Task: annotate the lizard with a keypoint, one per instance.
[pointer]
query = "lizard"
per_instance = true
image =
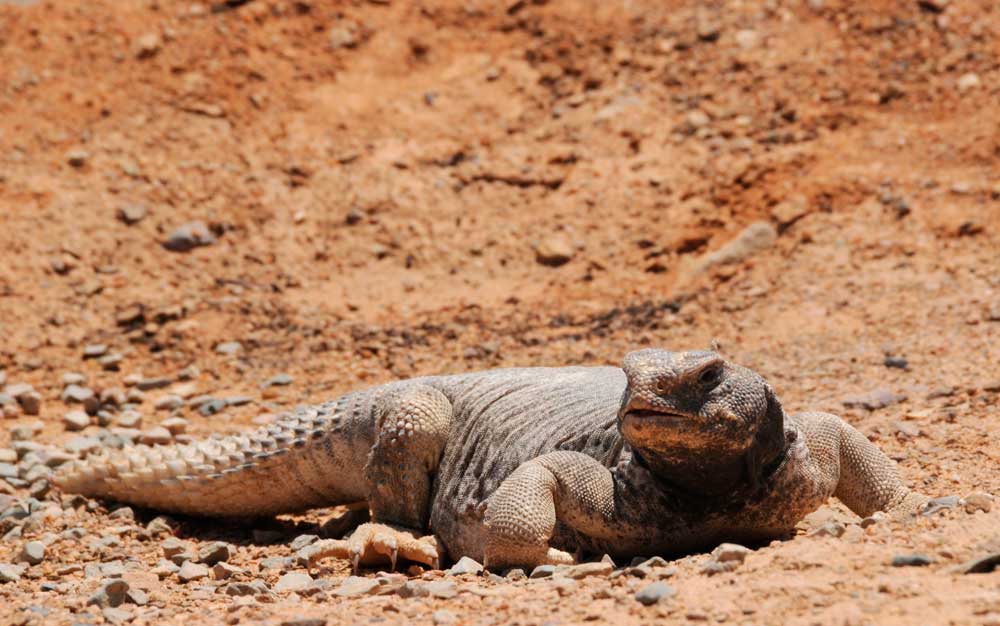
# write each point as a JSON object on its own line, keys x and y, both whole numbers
{"x": 670, "y": 453}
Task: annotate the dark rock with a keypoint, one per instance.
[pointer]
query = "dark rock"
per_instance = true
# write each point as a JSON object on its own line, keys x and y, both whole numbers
{"x": 215, "y": 552}
{"x": 897, "y": 362}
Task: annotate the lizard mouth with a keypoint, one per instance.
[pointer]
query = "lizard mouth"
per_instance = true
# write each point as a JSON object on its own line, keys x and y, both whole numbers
{"x": 646, "y": 415}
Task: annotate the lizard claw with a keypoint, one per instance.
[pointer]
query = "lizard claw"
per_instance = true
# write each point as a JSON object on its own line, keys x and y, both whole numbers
{"x": 374, "y": 542}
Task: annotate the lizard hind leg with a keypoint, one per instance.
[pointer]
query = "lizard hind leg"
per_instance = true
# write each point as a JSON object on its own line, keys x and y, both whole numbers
{"x": 412, "y": 429}
{"x": 373, "y": 543}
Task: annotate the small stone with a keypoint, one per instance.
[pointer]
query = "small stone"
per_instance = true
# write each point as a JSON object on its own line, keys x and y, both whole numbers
{"x": 213, "y": 406}
{"x": 165, "y": 569}
{"x": 160, "y": 525}
{"x": 81, "y": 395}
{"x": 907, "y": 430}
{"x": 215, "y": 552}
{"x": 132, "y": 213}
{"x": 554, "y": 251}
{"x": 137, "y": 597}
{"x": 176, "y": 425}
{"x": 94, "y": 350}
{"x": 873, "y": 400}
{"x": 229, "y": 348}
{"x": 829, "y": 529}
{"x": 191, "y": 372}
{"x": 123, "y": 513}
{"x": 296, "y": 581}
{"x": 129, "y": 419}
{"x": 911, "y": 560}
{"x": 191, "y": 571}
{"x": 111, "y": 593}
{"x": 696, "y": 119}
{"x": 968, "y": 81}
{"x": 746, "y": 39}
{"x": 32, "y": 553}
{"x": 146, "y": 46}
{"x": 278, "y": 381}
{"x": 543, "y": 571}
{"x": 189, "y": 236}
{"x": 81, "y": 445}
{"x": 343, "y": 35}
{"x": 77, "y": 157}
{"x": 978, "y": 501}
{"x": 442, "y": 589}
{"x": 10, "y": 573}
{"x": 238, "y": 400}
{"x": 875, "y": 518}
{"x": 224, "y": 571}
{"x": 935, "y": 505}
{"x": 156, "y": 435}
{"x": 515, "y": 574}
{"x": 897, "y": 362}
{"x": 116, "y": 615}
{"x": 302, "y": 541}
{"x": 731, "y": 552}
{"x": 159, "y": 382}
{"x": 253, "y": 588}
{"x": 653, "y": 593}
{"x": 169, "y": 402}
{"x": 584, "y": 570}
{"x": 304, "y": 621}
{"x": 76, "y": 420}
{"x": 465, "y": 565}
{"x": 357, "y": 586}
{"x": 31, "y": 403}
{"x": 752, "y": 240}
{"x": 791, "y": 210}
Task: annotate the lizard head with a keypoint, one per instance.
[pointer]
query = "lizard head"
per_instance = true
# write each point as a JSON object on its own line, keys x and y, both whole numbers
{"x": 699, "y": 422}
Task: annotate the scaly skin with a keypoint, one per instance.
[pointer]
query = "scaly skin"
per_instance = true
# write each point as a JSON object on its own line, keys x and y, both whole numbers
{"x": 671, "y": 453}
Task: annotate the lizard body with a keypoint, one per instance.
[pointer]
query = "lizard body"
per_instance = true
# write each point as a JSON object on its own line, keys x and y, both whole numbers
{"x": 673, "y": 452}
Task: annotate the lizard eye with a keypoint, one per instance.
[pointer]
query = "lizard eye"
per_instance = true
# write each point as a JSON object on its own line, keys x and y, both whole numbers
{"x": 660, "y": 386}
{"x": 711, "y": 377}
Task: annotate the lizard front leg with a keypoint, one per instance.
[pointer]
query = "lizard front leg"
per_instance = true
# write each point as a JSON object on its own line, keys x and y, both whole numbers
{"x": 865, "y": 479}
{"x": 412, "y": 427}
{"x": 568, "y": 487}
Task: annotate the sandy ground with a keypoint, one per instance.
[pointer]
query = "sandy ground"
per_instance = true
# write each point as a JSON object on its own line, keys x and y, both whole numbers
{"x": 393, "y": 188}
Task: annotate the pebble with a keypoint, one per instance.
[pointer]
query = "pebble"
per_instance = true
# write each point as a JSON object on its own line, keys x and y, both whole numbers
{"x": 110, "y": 594}
{"x": 584, "y": 570}
{"x": 791, "y": 210}
{"x": 191, "y": 372}
{"x": 223, "y": 571}
{"x": 934, "y": 505}
{"x": 968, "y": 81}
{"x": 165, "y": 568}
{"x": 82, "y": 444}
{"x": 554, "y": 251}
{"x": 278, "y": 381}
{"x": 543, "y": 571}
{"x": 212, "y": 406}
{"x": 157, "y": 435}
{"x": 229, "y": 348}
{"x": 189, "y": 236}
{"x": 8, "y": 470}
{"x": 873, "y": 400}
{"x": 897, "y": 362}
{"x": 215, "y": 552}
{"x": 76, "y": 420}
{"x": 357, "y": 586}
{"x": 132, "y": 213}
{"x": 168, "y": 402}
{"x": 115, "y": 615}
{"x": 295, "y": 581}
{"x": 653, "y": 593}
{"x": 129, "y": 419}
{"x": 252, "y": 588}
{"x": 829, "y": 529}
{"x": 158, "y": 382}
{"x": 727, "y": 552}
{"x": 94, "y": 350}
{"x": 77, "y": 157}
{"x": 465, "y": 565}
{"x": 146, "y": 45}
{"x": 304, "y": 621}
{"x": 10, "y": 573}
{"x": 911, "y": 560}
{"x": 176, "y": 425}
{"x": 752, "y": 240}
{"x": 31, "y": 402}
{"x": 302, "y": 541}
{"x": 123, "y": 513}
{"x": 191, "y": 571}
{"x": 442, "y": 589}
{"x": 32, "y": 553}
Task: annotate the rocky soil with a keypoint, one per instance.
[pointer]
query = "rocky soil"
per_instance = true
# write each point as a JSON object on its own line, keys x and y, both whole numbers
{"x": 213, "y": 212}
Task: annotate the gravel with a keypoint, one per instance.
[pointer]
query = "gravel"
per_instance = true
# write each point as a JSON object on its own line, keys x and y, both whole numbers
{"x": 189, "y": 236}
{"x": 76, "y": 420}
{"x": 294, "y": 581}
{"x": 465, "y": 565}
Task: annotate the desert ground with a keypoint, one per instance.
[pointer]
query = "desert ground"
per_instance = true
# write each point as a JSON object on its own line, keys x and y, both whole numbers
{"x": 213, "y": 212}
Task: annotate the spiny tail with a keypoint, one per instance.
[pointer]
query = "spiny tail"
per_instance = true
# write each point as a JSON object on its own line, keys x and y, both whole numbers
{"x": 311, "y": 457}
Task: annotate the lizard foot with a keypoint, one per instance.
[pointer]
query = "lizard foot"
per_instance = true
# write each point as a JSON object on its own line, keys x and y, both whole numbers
{"x": 374, "y": 543}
